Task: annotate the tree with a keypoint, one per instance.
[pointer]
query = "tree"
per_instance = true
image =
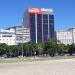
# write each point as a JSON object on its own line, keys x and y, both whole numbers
{"x": 51, "y": 47}
{"x": 38, "y": 48}
{"x": 3, "y": 49}
{"x": 62, "y": 49}
{"x": 19, "y": 49}
{"x": 13, "y": 51}
{"x": 27, "y": 49}
{"x": 71, "y": 49}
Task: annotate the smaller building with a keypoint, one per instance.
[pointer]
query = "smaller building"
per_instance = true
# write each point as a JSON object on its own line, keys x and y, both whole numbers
{"x": 22, "y": 35}
{"x": 8, "y": 36}
{"x": 66, "y": 37}
{"x": 14, "y": 35}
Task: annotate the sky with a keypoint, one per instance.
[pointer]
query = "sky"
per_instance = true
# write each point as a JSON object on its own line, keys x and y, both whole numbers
{"x": 12, "y": 12}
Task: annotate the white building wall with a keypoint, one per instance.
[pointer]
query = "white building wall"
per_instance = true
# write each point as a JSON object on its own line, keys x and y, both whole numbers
{"x": 7, "y": 36}
{"x": 15, "y": 36}
{"x": 74, "y": 34}
{"x": 22, "y": 35}
{"x": 66, "y": 37}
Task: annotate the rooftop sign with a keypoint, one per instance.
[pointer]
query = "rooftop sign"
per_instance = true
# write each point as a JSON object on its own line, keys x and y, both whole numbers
{"x": 46, "y": 10}
{"x": 35, "y": 10}
{"x": 39, "y": 10}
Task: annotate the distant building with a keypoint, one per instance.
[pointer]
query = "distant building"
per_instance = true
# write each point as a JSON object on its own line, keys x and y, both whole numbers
{"x": 66, "y": 37}
{"x": 8, "y": 36}
{"x": 41, "y": 24}
{"x": 15, "y": 35}
{"x": 22, "y": 35}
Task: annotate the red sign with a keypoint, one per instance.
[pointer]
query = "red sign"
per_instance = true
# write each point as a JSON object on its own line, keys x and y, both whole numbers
{"x": 35, "y": 10}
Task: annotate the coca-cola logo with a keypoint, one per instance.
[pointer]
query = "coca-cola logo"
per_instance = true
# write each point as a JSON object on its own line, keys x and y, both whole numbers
{"x": 35, "y": 10}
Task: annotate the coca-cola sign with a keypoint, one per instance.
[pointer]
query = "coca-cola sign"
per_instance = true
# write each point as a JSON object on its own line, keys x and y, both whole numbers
{"x": 35, "y": 10}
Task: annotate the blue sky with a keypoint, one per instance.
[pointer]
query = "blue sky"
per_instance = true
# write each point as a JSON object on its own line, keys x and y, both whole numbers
{"x": 12, "y": 11}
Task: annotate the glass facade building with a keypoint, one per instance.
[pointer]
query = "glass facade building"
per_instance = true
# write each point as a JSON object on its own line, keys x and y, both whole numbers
{"x": 41, "y": 24}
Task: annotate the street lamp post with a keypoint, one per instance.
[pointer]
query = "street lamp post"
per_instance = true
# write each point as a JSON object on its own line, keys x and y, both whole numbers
{"x": 22, "y": 42}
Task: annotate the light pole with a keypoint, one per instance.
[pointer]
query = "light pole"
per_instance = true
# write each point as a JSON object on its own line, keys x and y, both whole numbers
{"x": 22, "y": 41}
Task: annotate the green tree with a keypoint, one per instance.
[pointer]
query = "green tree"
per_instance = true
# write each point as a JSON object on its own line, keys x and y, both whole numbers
{"x": 13, "y": 51}
{"x": 71, "y": 49}
{"x": 3, "y": 49}
{"x": 62, "y": 49}
{"x": 27, "y": 49}
{"x": 50, "y": 47}
{"x": 38, "y": 48}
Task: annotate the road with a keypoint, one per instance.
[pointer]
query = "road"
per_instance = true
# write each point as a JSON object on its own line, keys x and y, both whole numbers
{"x": 48, "y": 67}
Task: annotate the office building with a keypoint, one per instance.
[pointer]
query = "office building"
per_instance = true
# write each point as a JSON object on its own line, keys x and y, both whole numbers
{"x": 41, "y": 24}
